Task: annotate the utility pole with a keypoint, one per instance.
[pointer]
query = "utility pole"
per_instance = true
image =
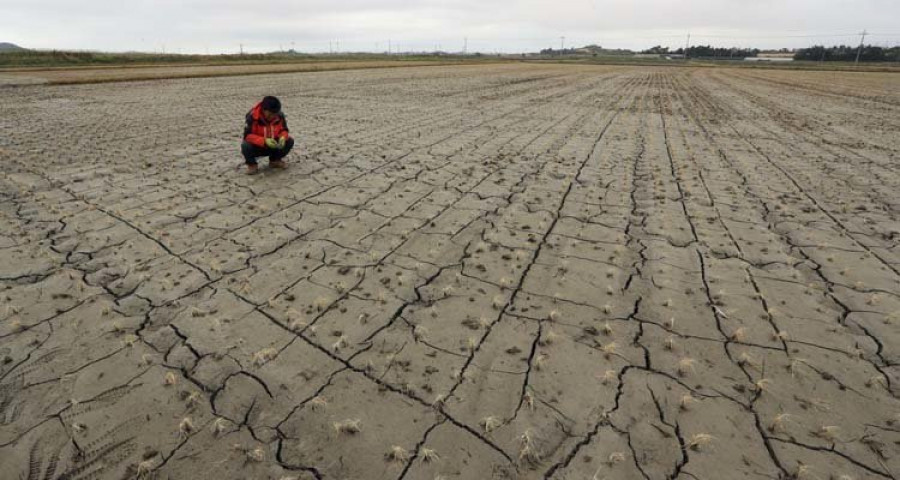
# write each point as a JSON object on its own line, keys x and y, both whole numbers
{"x": 859, "y": 50}
{"x": 562, "y": 43}
{"x": 242, "y": 49}
{"x": 687, "y": 44}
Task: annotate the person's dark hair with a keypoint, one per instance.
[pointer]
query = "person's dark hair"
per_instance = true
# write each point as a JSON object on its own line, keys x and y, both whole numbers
{"x": 271, "y": 104}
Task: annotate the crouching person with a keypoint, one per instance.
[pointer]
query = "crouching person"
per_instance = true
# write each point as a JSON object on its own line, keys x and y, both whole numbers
{"x": 266, "y": 134}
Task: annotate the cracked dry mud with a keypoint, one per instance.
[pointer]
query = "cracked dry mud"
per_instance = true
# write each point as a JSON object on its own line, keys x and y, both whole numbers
{"x": 504, "y": 271}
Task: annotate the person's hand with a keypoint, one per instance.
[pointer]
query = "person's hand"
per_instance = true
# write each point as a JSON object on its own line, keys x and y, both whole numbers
{"x": 282, "y": 142}
{"x": 272, "y": 143}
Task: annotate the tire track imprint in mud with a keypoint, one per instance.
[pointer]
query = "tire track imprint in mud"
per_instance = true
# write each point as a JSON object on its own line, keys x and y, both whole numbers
{"x": 506, "y": 271}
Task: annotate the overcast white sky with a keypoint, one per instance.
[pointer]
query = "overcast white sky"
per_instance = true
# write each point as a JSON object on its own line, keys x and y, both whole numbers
{"x": 217, "y": 26}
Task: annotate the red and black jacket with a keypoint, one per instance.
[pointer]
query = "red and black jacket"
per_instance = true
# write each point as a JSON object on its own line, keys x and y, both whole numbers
{"x": 258, "y": 129}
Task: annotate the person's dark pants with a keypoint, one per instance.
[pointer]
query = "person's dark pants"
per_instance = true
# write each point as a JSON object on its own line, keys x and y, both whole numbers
{"x": 252, "y": 152}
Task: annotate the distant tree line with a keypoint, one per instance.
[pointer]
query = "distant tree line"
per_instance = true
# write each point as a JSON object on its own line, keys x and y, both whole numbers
{"x": 847, "y": 53}
{"x": 840, "y": 53}
{"x": 558, "y": 51}
{"x": 706, "y": 51}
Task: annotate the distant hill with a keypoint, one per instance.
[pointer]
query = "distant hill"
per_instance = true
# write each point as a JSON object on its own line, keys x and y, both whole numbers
{"x": 10, "y": 47}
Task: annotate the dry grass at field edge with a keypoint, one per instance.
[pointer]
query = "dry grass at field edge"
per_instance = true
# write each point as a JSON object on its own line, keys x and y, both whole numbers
{"x": 129, "y": 73}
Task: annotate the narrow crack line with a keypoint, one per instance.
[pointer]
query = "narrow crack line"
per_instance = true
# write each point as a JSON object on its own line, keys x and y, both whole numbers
{"x": 418, "y": 449}
{"x": 768, "y": 212}
{"x": 279, "y": 457}
{"x": 151, "y": 238}
{"x": 724, "y": 225}
{"x": 676, "y": 431}
{"x": 564, "y": 463}
{"x": 812, "y": 199}
{"x": 834, "y": 451}
{"x": 703, "y": 269}
{"x": 516, "y": 289}
{"x": 57, "y": 313}
{"x": 365, "y": 374}
{"x": 308, "y": 399}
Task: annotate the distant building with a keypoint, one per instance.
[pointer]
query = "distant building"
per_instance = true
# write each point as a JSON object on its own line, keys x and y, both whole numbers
{"x": 776, "y": 55}
{"x": 772, "y": 57}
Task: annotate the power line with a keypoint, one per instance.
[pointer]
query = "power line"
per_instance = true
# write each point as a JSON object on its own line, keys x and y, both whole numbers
{"x": 693, "y": 34}
{"x": 623, "y": 41}
{"x": 780, "y": 36}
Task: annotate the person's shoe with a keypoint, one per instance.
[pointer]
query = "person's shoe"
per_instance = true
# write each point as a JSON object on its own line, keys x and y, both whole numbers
{"x": 277, "y": 164}
{"x": 252, "y": 169}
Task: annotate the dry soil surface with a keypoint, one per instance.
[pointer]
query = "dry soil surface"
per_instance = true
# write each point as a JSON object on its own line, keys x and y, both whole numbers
{"x": 488, "y": 272}
{"x": 102, "y": 74}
